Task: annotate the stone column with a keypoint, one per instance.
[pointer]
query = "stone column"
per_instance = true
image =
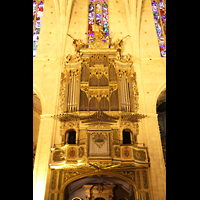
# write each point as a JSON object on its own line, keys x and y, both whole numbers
{"x": 87, "y": 191}
{"x": 41, "y": 166}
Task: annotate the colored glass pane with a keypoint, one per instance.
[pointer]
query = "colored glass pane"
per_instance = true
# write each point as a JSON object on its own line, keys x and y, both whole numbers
{"x": 38, "y": 22}
{"x": 90, "y": 20}
{"x": 105, "y": 18}
{"x": 163, "y": 14}
{"x": 34, "y": 10}
{"x": 158, "y": 27}
{"x": 98, "y": 14}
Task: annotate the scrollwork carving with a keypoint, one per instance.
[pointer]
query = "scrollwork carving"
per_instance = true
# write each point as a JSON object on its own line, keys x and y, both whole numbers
{"x": 99, "y": 137}
{"x": 129, "y": 174}
{"x": 68, "y": 175}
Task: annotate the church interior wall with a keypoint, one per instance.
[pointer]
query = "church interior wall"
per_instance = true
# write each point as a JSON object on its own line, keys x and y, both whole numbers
{"x": 148, "y": 39}
{"x": 149, "y": 66}
{"x": 48, "y": 42}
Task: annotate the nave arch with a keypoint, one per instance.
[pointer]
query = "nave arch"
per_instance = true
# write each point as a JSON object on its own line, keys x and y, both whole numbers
{"x": 37, "y": 91}
{"x": 161, "y": 117}
{"x": 102, "y": 175}
{"x": 38, "y": 110}
{"x": 161, "y": 88}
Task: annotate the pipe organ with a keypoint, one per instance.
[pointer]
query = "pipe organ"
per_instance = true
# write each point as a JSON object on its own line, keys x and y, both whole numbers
{"x": 125, "y": 94}
{"x": 98, "y": 83}
{"x": 98, "y": 119}
{"x": 72, "y": 94}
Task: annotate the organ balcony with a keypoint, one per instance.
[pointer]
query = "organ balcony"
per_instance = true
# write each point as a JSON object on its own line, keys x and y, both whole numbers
{"x": 100, "y": 146}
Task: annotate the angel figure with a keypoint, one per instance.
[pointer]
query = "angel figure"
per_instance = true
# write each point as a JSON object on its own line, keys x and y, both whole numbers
{"x": 78, "y": 44}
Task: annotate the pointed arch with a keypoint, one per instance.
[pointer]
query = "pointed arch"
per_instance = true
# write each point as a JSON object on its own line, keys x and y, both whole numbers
{"x": 104, "y": 104}
{"x": 114, "y": 101}
{"x": 112, "y": 73}
{"x": 106, "y": 174}
{"x": 93, "y": 81}
{"x": 84, "y": 73}
{"x": 97, "y": 18}
{"x": 160, "y": 88}
{"x": 103, "y": 81}
{"x": 37, "y": 91}
{"x": 93, "y": 105}
{"x": 83, "y": 101}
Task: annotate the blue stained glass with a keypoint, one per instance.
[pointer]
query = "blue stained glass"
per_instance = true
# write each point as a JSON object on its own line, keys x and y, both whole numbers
{"x": 105, "y": 18}
{"x": 38, "y": 22}
{"x": 34, "y": 10}
{"x": 163, "y": 14}
{"x": 98, "y": 14}
{"x": 90, "y": 20}
{"x": 91, "y": 14}
{"x": 101, "y": 17}
{"x": 158, "y": 27}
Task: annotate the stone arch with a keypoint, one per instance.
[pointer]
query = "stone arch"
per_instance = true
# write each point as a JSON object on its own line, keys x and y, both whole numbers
{"x": 106, "y": 174}
{"x": 161, "y": 118}
{"x": 37, "y": 111}
{"x": 160, "y": 88}
{"x": 37, "y": 91}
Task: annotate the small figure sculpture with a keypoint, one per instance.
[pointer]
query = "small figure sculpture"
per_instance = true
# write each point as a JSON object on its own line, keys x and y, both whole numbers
{"x": 68, "y": 58}
{"x": 107, "y": 39}
{"x": 78, "y": 44}
{"x": 90, "y": 39}
{"x": 74, "y": 58}
{"x": 98, "y": 31}
{"x": 118, "y": 45}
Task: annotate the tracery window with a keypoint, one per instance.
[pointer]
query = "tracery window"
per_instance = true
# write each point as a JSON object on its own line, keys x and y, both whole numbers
{"x": 38, "y": 7}
{"x": 98, "y": 18}
{"x": 159, "y": 14}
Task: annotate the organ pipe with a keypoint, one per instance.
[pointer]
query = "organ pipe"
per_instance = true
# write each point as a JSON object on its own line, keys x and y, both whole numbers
{"x": 72, "y": 97}
{"x": 125, "y": 94}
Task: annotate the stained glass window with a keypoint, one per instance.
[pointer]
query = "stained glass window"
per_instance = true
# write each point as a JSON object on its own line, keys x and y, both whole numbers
{"x": 37, "y": 20}
{"x": 91, "y": 20}
{"x": 159, "y": 15}
{"x": 98, "y": 16}
{"x": 105, "y": 18}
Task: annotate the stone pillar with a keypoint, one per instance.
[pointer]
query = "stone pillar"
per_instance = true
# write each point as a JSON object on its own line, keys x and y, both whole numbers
{"x": 87, "y": 191}
{"x": 157, "y": 170}
{"x": 41, "y": 166}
